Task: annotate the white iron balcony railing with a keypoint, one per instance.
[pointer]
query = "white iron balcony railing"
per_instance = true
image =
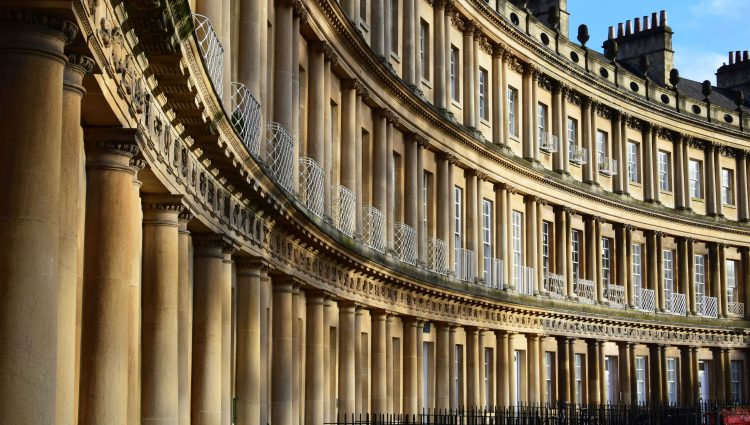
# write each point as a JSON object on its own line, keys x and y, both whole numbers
{"x": 554, "y": 285}
{"x": 493, "y": 276}
{"x": 577, "y": 155}
{"x": 373, "y": 228}
{"x": 465, "y": 265}
{"x": 211, "y": 51}
{"x": 585, "y": 290}
{"x": 735, "y": 309}
{"x": 525, "y": 279}
{"x": 405, "y": 241}
{"x": 548, "y": 142}
{"x": 615, "y": 294}
{"x": 437, "y": 255}
{"x": 311, "y": 180}
{"x": 343, "y": 203}
{"x": 246, "y": 117}
{"x": 676, "y": 303}
{"x": 645, "y": 299}
{"x": 607, "y": 166}
{"x": 707, "y": 306}
{"x": 280, "y": 155}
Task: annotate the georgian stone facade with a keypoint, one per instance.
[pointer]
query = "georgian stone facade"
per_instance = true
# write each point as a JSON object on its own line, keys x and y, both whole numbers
{"x": 283, "y": 212}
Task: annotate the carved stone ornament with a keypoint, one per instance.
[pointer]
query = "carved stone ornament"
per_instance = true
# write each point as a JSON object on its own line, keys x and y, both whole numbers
{"x": 456, "y": 20}
{"x": 515, "y": 65}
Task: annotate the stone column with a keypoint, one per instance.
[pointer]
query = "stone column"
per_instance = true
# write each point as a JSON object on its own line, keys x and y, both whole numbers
{"x": 185, "y": 316}
{"x": 652, "y": 273}
{"x": 444, "y": 207}
{"x": 72, "y": 217}
{"x": 134, "y": 301}
{"x": 347, "y": 361}
{"x": 722, "y": 295}
{"x": 717, "y": 178}
{"x": 379, "y": 367}
{"x": 590, "y": 247}
{"x": 409, "y": 395}
{"x": 621, "y": 263}
{"x": 473, "y": 391}
{"x": 655, "y": 372}
{"x": 108, "y": 276}
{"x": 281, "y": 362}
{"x": 624, "y": 116}
{"x": 498, "y": 94}
{"x": 678, "y": 171}
{"x": 468, "y": 75}
{"x": 624, "y": 349}
{"x": 409, "y": 70}
{"x": 248, "y": 385}
{"x": 389, "y": 362}
{"x": 686, "y": 172}
{"x": 532, "y": 365}
{"x": 226, "y": 334}
{"x": 618, "y": 140}
{"x": 592, "y": 362}
{"x": 661, "y": 301}
{"x": 593, "y": 156}
{"x": 411, "y": 183}
{"x": 37, "y": 323}
{"x": 442, "y": 367}
{"x": 558, "y": 128}
{"x": 540, "y": 248}
{"x": 726, "y": 378}
{"x": 588, "y": 144}
{"x": 601, "y": 371}
{"x": 381, "y": 177}
{"x": 563, "y": 369}
{"x": 159, "y": 343}
{"x": 501, "y": 234}
{"x": 686, "y": 377}
{"x": 421, "y": 228}
{"x": 648, "y": 161}
{"x": 438, "y": 53}
{"x": 358, "y": 366}
{"x": 682, "y": 262}
{"x": 656, "y": 188}
{"x": 248, "y": 67}
{"x": 743, "y": 208}
{"x": 629, "y": 288}
{"x": 316, "y": 100}
{"x": 530, "y": 127}
{"x": 390, "y": 211}
{"x": 709, "y": 177}
{"x": 691, "y": 301}
{"x": 531, "y": 238}
{"x": 420, "y": 368}
{"x": 283, "y": 63}
{"x": 314, "y": 357}
{"x": 568, "y": 231}
{"x": 207, "y": 330}
{"x": 454, "y": 401}
{"x": 501, "y": 370}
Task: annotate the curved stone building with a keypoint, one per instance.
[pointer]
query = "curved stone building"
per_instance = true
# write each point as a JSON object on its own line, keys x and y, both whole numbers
{"x": 282, "y": 212}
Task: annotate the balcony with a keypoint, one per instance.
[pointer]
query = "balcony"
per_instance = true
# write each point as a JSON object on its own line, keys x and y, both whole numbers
{"x": 311, "y": 179}
{"x": 343, "y": 203}
{"x": 246, "y": 118}
{"x": 405, "y": 241}
{"x": 548, "y": 142}
{"x": 525, "y": 278}
{"x": 675, "y": 303}
{"x": 211, "y": 51}
{"x": 607, "y": 167}
{"x": 465, "y": 265}
{"x": 615, "y": 294}
{"x": 577, "y": 155}
{"x": 437, "y": 251}
{"x": 736, "y": 309}
{"x": 707, "y": 306}
{"x": 373, "y": 228}
{"x": 554, "y": 285}
{"x": 645, "y": 299}
{"x": 585, "y": 290}
{"x": 280, "y": 155}
{"x": 494, "y": 273}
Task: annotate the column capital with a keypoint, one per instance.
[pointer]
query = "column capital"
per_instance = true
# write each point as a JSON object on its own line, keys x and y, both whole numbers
{"x": 318, "y": 46}
{"x": 213, "y": 244}
{"x": 152, "y": 202}
{"x": 630, "y": 227}
{"x": 421, "y": 140}
{"x": 252, "y": 265}
{"x": 598, "y": 219}
{"x": 102, "y": 143}
{"x": 300, "y": 11}
{"x": 569, "y": 210}
{"x": 76, "y": 68}
{"x": 500, "y": 50}
{"x": 66, "y": 30}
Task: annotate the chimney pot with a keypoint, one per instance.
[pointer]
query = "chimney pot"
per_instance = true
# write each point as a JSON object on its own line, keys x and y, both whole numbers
{"x": 645, "y": 23}
{"x": 745, "y": 56}
{"x": 663, "y": 18}
{"x": 737, "y": 57}
{"x": 620, "y": 30}
{"x": 637, "y": 25}
{"x": 731, "y": 58}
{"x": 628, "y": 27}
{"x": 611, "y": 33}
{"x": 654, "y": 20}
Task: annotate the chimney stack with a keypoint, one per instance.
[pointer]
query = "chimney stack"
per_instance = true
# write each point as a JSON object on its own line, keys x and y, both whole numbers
{"x": 651, "y": 38}
{"x": 736, "y": 74}
{"x": 540, "y": 9}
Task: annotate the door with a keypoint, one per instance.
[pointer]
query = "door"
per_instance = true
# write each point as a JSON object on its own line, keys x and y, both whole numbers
{"x": 703, "y": 380}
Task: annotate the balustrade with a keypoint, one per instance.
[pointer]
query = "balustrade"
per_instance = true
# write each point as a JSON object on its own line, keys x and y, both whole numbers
{"x": 525, "y": 278}
{"x": 211, "y": 51}
{"x": 554, "y": 285}
{"x": 246, "y": 118}
{"x": 548, "y": 142}
{"x": 577, "y": 155}
{"x": 494, "y": 273}
{"x": 311, "y": 180}
{"x": 585, "y": 290}
{"x": 343, "y": 203}
{"x": 405, "y": 240}
{"x": 645, "y": 299}
{"x": 280, "y": 155}
{"x": 465, "y": 265}
{"x": 607, "y": 166}
{"x": 437, "y": 258}
{"x": 707, "y": 306}
{"x": 735, "y": 309}
{"x": 676, "y": 304}
{"x": 373, "y": 228}
{"x": 615, "y": 294}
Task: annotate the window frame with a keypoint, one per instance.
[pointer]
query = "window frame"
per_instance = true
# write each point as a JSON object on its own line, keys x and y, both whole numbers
{"x": 695, "y": 176}
{"x": 633, "y": 162}
{"x": 487, "y": 230}
{"x": 665, "y": 182}
{"x": 575, "y": 253}
{"x": 727, "y": 186}
{"x": 455, "y": 73}
{"x": 483, "y": 94}
{"x": 512, "y": 107}
{"x": 424, "y": 49}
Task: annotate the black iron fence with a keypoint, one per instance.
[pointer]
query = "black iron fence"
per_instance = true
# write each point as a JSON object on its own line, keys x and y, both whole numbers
{"x": 566, "y": 414}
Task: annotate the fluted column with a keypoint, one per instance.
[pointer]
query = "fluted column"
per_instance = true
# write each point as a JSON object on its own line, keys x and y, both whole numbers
{"x": 438, "y": 54}
{"x": 36, "y": 357}
{"x": 468, "y": 74}
{"x": 72, "y": 217}
{"x": 248, "y": 382}
{"x": 624, "y": 349}
{"x": 379, "y": 367}
{"x": 563, "y": 369}
{"x": 501, "y": 370}
{"x": 442, "y": 367}
{"x": 207, "y": 330}
{"x": 347, "y": 382}
{"x": 159, "y": 343}
{"x": 410, "y": 396}
{"x": 624, "y": 152}
{"x": 283, "y": 63}
{"x": 108, "y": 276}
{"x": 185, "y": 316}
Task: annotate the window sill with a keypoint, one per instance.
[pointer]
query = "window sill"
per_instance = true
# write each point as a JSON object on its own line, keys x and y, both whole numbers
{"x": 636, "y": 184}
{"x": 426, "y": 83}
{"x": 455, "y": 104}
{"x": 514, "y": 138}
{"x": 666, "y": 192}
{"x": 485, "y": 123}
{"x": 363, "y": 25}
{"x": 730, "y": 206}
{"x": 395, "y": 57}
{"x": 699, "y": 200}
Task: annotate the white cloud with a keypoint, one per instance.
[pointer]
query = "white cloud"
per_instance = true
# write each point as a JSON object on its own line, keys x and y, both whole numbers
{"x": 734, "y": 9}
{"x": 698, "y": 65}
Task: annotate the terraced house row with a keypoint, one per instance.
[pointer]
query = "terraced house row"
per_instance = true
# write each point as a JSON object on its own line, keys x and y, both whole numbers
{"x": 287, "y": 212}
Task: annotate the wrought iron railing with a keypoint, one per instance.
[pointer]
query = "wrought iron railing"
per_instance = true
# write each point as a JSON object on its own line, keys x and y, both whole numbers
{"x": 280, "y": 155}
{"x": 343, "y": 204}
{"x": 548, "y": 142}
{"x": 675, "y": 303}
{"x": 607, "y": 166}
{"x": 246, "y": 118}
{"x": 211, "y": 51}
{"x": 311, "y": 181}
{"x": 645, "y": 299}
{"x": 373, "y": 228}
{"x": 615, "y": 294}
{"x": 437, "y": 255}
{"x": 735, "y": 309}
{"x": 585, "y": 290}
{"x": 465, "y": 265}
{"x": 576, "y": 154}
{"x": 707, "y": 306}
{"x": 554, "y": 285}
{"x": 405, "y": 241}
{"x": 525, "y": 277}
{"x": 493, "y": 276}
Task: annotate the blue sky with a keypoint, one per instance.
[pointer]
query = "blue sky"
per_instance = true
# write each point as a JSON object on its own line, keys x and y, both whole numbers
{"x": 704, "y": 30}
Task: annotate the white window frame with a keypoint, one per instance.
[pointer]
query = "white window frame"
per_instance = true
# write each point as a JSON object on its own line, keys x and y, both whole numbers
{"x": 483, "y": 94}
{"x": 736, "y": 389}
{"x": 575, "y": 253}
{"x": 541, "y": 120}
{"x": 664, "y": 181}
{"x": 672, "y": 380}
{"x": 700, "y": 275}
{"x": 517, "y": 239}
{"x": 602, "y": 145}
{"x": 637, "y": 271}
{"x": 512, "y": 96}
{"x": 668, "y": 275}
{"x": 695, "y": 171}
{"x": 549, "y": 372}
{"x": 606, "y": 261}
{"x": 731, "y": 278}
{"x": 487, "y": 372}
{"x": 424, "y": 49}
{"x": 633, "y": 169}
{"x": 727, "y": 186}
{"x": 546, "y": 263}
{"x": 487, "y": 230}
{"x": 640, "y": 379}
{"x": 572, "y": 135}
{"x": 579, "y": 377}
{"x": 455, "y": 73}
